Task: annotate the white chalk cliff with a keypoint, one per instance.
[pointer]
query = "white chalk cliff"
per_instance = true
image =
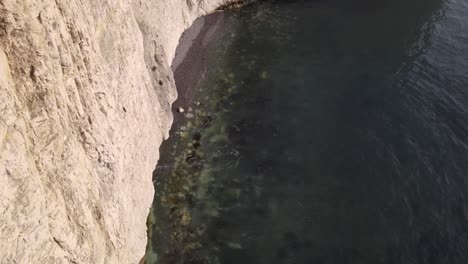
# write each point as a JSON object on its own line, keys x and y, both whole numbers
{"x": 85, "y": 101}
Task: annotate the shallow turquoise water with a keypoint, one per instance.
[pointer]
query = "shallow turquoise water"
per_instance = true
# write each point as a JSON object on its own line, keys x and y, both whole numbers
{"x": 323, "y": 132}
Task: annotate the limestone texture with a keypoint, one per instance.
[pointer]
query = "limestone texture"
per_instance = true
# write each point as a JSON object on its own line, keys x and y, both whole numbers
{"x": 85, "y": 101}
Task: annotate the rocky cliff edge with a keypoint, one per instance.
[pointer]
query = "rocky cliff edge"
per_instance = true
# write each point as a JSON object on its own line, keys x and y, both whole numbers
{"x": 85, "y": 101}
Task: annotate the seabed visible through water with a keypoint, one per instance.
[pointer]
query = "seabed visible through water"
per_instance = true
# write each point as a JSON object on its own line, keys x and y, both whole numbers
{"x": 319, "y": 132}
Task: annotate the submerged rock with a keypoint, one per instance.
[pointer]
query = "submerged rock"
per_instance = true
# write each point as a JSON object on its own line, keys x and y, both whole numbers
{"x": 234, "y": 245}
{"x": 186, "y": 218}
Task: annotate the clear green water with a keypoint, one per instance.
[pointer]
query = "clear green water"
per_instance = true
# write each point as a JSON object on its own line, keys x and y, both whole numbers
{"x": 323, "y": 132}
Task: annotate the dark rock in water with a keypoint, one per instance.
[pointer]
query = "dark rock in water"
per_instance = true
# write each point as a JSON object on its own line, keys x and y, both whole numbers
{"x": 196, "y": 136}
{"x": 207, "y": 120}
{"x": 191, "y": 158}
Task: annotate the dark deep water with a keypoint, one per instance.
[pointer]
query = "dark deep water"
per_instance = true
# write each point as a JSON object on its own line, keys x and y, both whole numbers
{"x": 323, "y": 132}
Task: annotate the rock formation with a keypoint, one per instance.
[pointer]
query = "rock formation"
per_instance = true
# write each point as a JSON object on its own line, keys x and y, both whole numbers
{"x": 85, "y": 101}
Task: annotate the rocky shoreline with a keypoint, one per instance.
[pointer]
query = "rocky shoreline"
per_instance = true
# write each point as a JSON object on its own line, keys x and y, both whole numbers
{"x": 189, "y": 62}
{"x": 189, "y": 67}
{"x": 85, "y": 101}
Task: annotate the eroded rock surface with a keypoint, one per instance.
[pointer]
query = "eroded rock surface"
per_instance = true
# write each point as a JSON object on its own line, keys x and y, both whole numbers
{"x": 85, "y": 101}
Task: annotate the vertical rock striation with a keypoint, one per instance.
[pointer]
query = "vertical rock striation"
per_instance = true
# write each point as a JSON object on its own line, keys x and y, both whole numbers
{"x": 85, "y": 101}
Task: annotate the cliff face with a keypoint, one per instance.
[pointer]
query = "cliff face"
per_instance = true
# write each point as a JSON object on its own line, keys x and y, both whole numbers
{"x": 85, "y": 101}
